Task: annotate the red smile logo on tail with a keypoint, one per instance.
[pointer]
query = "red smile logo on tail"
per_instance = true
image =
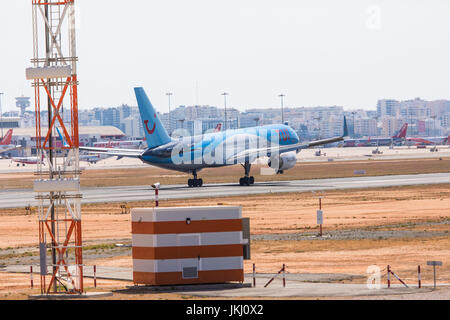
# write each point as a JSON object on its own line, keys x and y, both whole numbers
{"x": 153, "y": 129}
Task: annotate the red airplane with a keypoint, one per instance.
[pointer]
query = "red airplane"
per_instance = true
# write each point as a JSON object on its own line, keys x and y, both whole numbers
{"x": 5, "y": 143}
{"x": 218, "y": 128}
{"x": 396, "y": 140}
{"x": 421, "y": 142}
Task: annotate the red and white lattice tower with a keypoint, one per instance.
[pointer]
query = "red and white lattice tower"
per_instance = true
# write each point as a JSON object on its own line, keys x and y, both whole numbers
{"x": 54, "y": 79}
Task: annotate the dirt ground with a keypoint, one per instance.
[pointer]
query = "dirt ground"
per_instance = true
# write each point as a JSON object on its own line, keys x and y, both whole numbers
{"x": 423, "y": 212}
{"x": 269, "y": 214}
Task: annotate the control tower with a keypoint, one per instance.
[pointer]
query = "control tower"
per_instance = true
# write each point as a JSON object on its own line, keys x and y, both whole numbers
{"x": 23, "y": 103}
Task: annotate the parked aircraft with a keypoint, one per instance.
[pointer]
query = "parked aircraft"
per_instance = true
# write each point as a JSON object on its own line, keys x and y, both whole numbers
{"x": 218, "y": 128}
{"x": 397, "y": 139}
{"x": 26, "y": 160}
{"x": 5, "y": 143}
{"x": 133, "y": 144}
{"x": 279, "y": 143}
{"x": 423, "y": 142}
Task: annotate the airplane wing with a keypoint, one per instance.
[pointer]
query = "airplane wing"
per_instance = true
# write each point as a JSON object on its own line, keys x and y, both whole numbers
{"x": 252, "y": 154}
{"x": 11, "y": 148}
{"x": 123, "y": 153}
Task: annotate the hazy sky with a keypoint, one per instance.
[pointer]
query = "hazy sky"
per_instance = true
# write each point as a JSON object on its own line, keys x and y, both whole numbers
{"x": 317, "y": 52}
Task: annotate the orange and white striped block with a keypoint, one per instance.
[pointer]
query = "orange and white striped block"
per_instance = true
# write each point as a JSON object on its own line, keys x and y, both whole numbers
{"x": 189, "y": 245}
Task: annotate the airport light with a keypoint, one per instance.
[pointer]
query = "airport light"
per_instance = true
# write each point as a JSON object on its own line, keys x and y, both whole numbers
{"x": 376, "y": 125}
{"x": 320, "y": 213}
{"x": 169, "y": 95}
{"x": 434, "y": 125}
{"x": 225, "y": 95}
{"x": 354, "y": 131}
{"x": 156, "y": 187}
{"x": 282, "y": 96}
{"x": 434, "y": 264}
{"x": 320, "y": 217}
{"x": 318, "y": 126}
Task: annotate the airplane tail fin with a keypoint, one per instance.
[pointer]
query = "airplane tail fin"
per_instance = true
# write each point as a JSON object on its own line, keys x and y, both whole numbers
{"x": 7, "y": 138}
{"x": 65, "y": 144}
{"x": 155, "y": 132}
{"x": 218, "y": 128}
{"x": 345, "y": 134}
{"x": 401, "y": 134}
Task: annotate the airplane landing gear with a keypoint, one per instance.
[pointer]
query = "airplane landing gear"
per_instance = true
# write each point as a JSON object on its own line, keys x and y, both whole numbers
{"x": 195, "y": 183}
{"x": 247, "y": 180}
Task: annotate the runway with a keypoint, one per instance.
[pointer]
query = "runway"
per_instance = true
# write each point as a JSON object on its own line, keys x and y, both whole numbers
{"x": 22, "y": 198}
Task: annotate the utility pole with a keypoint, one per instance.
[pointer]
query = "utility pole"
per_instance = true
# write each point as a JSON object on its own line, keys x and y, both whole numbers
{"x": 281, "y": 96}
{"x": 434, "y": 125}
{"x": 354, "y": 131}
{"x": 169, "y": 94}
{"x": 226, "y": 116}
{"x": 318, "y": 127}
{"x": 376, "y": 125}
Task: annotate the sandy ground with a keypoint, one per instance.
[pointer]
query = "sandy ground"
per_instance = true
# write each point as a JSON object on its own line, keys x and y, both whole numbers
{"x": 269, "y": 214}
{"x": 425, "y": 210}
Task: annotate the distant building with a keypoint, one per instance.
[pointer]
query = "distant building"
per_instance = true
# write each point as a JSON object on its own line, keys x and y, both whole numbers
{"x": 250, "y": 119}
{"x": 366, "y": 127}
{"x": 201, "y": 126}
{"x": 133, "y": 127}
{"x": 415, "y": 109}
{"x": 88, "y": 135}
{"x": 9, "y": 123}
{"x": 23, "y": 103}
{"x": 390, "y": 126}
{"x": 388, "y": 108}
{"x": 446, "y": 120}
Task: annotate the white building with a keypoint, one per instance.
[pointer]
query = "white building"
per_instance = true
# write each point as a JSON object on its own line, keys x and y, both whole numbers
{"x": 390, "y": 126}
{"x": 132, "y": 127}
{"x": 366, "y": 127}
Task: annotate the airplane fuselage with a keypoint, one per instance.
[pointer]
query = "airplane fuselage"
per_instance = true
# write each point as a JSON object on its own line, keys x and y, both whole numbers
{"x": 372, "y": 142}
{"x": 213, "y": 150}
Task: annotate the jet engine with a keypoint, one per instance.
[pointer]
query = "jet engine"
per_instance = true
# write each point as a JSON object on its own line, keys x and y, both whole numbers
{"x": 283, "y": 162}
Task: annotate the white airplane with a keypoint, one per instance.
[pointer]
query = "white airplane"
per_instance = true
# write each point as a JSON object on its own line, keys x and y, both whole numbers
{"x": 5, "y": 143}
{"x": 26, "y": 160}
{"x": 135, "y": 144}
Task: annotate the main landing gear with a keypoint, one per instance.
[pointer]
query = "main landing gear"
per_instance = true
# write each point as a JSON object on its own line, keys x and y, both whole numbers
{"x": 195, "y": 183}
{"x": 247, "y": 180}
